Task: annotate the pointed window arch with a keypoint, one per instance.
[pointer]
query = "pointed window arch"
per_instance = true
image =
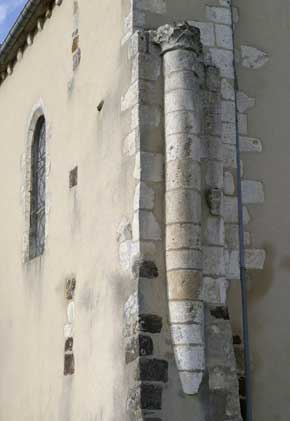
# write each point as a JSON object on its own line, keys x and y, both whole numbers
{"x": 38, "y": 190}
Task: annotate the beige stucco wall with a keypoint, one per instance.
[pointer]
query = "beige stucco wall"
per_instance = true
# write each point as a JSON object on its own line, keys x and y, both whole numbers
{"x": 265, "y": 25}
{"x": 82, "y": 225}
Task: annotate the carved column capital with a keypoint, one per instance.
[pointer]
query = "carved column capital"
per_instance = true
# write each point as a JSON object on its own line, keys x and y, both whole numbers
{"x": 178, "y": 36}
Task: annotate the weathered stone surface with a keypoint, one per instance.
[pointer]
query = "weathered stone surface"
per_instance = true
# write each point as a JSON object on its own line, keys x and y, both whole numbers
{"x": 144, "y": 197}
{"x": 130, "y": 143}
{"x": 183, "y": 236}
{"x": 214, "y": 174}
{"x": 229, "y": 184}
{"x": 187, "y": 334}
{"x": 139, "y": 345}
{"x": 182, "y": 146}
{"x": 207, "y": 35}
{"x": 154, "y": 6}
{"x": 228, "y": 111}
{"x": 229, "y": 133}
{"x": 252, "y": 191}
{"x": 124, "y": 232}
{"x": 215, "y": 233}
{"x": 183, "y": 79}
{"x": 219, "y": 15}
{"x": 184, "y": 285}
{"x": 244, "y": 102}
{"x": 183, "y": 259}
{"x": 179, "y": 37}
{"x": 181, "y": 100}
{"x": 150, "y": 323}
{"x": 145, "y": 226}
{"x": 151, "y": 396}
{"x": 145, "y": 269}
{"x": 182, "y": 122}
{"x": 69, "y": 365}
{"x": 184, "y": 173}
{"x": 214, "y": 199}
{"x": 224, "y": 36}
{"x": 255, "y": 259}
{"x": 253, "y": 58}
{"x": 249, "y": 144}
{"x": 232, "y": 259}
{"x": 222, "y": 378}
{"x": 227, "y": 90}
{"x": 230, "y": 209}
{"x": 212, "y": 78}
{"x": 149, "y": 167}
{"x": 186, "y": 312}
{"x": 230, "y": 156}
{"x": 183, "y": 206}
{"x": 243, "y": 124}
{"x": 214, "y": 290}
{"x": 189, "y": 357}
{"x": 128, "y": 250}
{"x": 213, "y": 261}
{"x": 153, "y": 370}
{"x": 190, "y": 382}
{"x": 223, "y": 59}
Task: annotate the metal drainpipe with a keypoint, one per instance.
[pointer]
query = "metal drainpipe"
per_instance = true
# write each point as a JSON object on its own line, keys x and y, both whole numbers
{"x": 247, "y": 355}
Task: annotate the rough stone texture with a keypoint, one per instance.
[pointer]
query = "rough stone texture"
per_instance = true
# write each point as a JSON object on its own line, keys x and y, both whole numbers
{"x": 255, "y": 259}
{"x": 249, "y": 144}
{"x": 213, "y": 261}
{"x": 215, "y": 290}
{"x": 183, "y": 259}
{"x": 215, "y": 231}
{"x": 183, "y": 236}
{"x": 189, "y": 357}
{"x": 253, "y": 58}
{"x": 207, "y": 35}
{"x": 190, "y": 382}
{"x": 150, "y": 323}
{"x": 183, "y": 206}
{"x": 144, "y": 197}
{"x": 224, "y": 36}
{"x": 152, "y": 370}
{"x": 223, "y": 59}
{"x": 186, "y": 312}
{"x": 219, "y": 15}
{"x": 252, "y": 191}
{"x": 229, "y": 184}
{"x": 244, "y": 102}
{"x": 184, "y": 285}
{"x": 227, "y": 90}
{"x": 146, "y": 227}
{"x": 187, "y": 334}
{"x": 149, "y": 167}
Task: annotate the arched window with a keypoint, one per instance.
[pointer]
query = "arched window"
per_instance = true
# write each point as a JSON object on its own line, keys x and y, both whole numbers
{"x": 37, "y": 190}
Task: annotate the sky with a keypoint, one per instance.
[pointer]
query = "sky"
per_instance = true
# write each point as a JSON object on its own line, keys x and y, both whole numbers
{"x": 9, "y": 10}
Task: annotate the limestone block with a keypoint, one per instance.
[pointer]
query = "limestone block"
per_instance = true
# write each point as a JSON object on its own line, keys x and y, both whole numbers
{"x": 227, "y": 90}
{"x": 253, "y": 58}
{"x": 182, "y": 122}
{"x": 183, "y": 206}
{"x": 131, "y": 97}
{"x": 244, "y": 102}
{"x": 224, "y": 36}
{"x": 230, "y": 156}
{"x": 183, "y": 174}
{"x": 214, "y": 174}
{"x": 215, "y": 290}
{"x": 181, "y": 100}
{"x": 179, "y": 60}
{"x": 228, "y": 112}
{"x": 243, "y": 124}
{"x": 232, "y": 236}
{"x": 186, "y": 312}
{"x": 68, "y": 330}
{"x": 183, "y": 236}
{"x": 183, "y": 146}
{"x": 144, "y": 197}
{"x": 225, "y": 3}
{"x": 130, "y": 143}
{"x": 187, "y": 334}
{"x": 154, "y": 6}
{"x": 149, "y": 167}
{"x": 229, "y": 133}
{"x": 255, "y": 259}
{"x": 184, "y": 285}
{"x": 215, "y": 233}
{"x": 219, "y": 14}
{"x": 207, "y": 35}
{"x": 229, "y": 184}
{"x": 230, "y": 209}
{"x": 149, "y": 67}
{"x": 252, "y": 191}
{"x": 128, "y": 250}
{"x": 145, "y": 226}
{"x": 213, "y": 261}
{"x": 246, "y": 215}
{"x": 183, "y": 259}
{"x": 185, "y": 79}
{"x": 223, "y": 59}
{"x": 189, "y": 357}
{"x": 124, "y": 231}
{"x": 215, "y": 148}
{"x": 190, "y": 382}
{"x": 71, "y": 312}
{"x": 232, "y": 259}
{"x": 221, "y": 378}
{"x": 250, "y": 144}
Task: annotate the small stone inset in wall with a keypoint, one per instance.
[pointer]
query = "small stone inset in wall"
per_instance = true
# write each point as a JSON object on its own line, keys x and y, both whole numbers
{"x": 73, "y": 177}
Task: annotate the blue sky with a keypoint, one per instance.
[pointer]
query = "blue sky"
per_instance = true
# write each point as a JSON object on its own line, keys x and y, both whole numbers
{"x": 9, "y": 10}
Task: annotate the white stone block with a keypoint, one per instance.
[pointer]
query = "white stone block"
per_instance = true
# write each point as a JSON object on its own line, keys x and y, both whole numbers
{"x": 189, "y": 357}
{"x": 153, "y": 6}
{"x": 182, "y": 146}
{"x": 252, "y": 192}
{"x": 227, "y": 90}
{"x": 149, "y": 167}
{"x": 224, "y": 36}
{"x": 246, "y": 215}
{"x": 229, "y": 133}
{"x": 182, "y": 122}
{"x": 68, "y": 330}
{"x": 71, "y": 312}
{"x": 183, "y": 259}
{"x": 215, "y": 232}
{"x": 187, "y": 334}
{"x": 190, "y": 382}
{"x": 183, "y": 174}
{"x": 214, "y": 174}
{"x": 230, "y": 156}
{"x": 183, "y": 206}
{"x": 243, "y": 124}
{"x": 230, "y": 209}
{"x": 144, "y": 197}
{"x": 124, "y": 231}
{"x": 183, "y": 236}
{"x": 250, "y": 144}
{"x": 219, "y": 14}
{"x": 215, "y": 290}
{"x": 130, "y": 143}
{"x": 213, "y": 261}
{"x": 244, "y": 102}
{"x": 186, "y": 312}
{"x": 131, "y": 97}
{"x": 255, "y": 259}
{"x": 253, "y": 58}
{"x": 228, "y": 112}
{"x": 223, "y": 59}
{"x": 207, "y": 35}
{"x": 145, "y": 226}
{"x": 232, "y": 259}
{"x": 229, "y": 184}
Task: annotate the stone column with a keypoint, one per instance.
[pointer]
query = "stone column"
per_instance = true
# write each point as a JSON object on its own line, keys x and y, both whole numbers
{"x": 183, "y": 76}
